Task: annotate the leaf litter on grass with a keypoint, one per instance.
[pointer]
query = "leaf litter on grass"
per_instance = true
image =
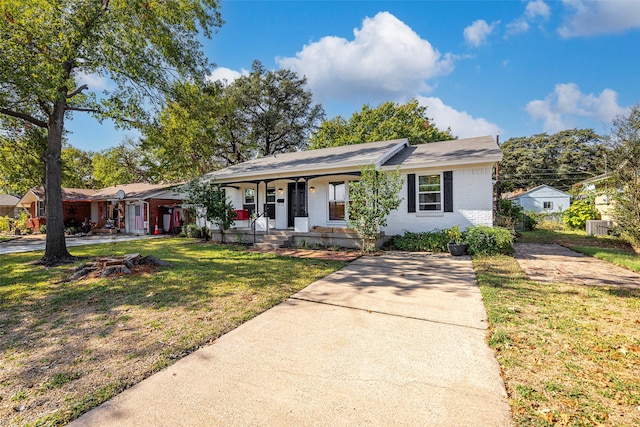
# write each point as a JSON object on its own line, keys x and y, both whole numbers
{"x": 67, "y": 347}
{"x": 569, "y": 353}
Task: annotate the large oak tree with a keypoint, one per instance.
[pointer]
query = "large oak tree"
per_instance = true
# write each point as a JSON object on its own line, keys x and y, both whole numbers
{"x": 49, "y": 45}
{"x": 208, "y": 125}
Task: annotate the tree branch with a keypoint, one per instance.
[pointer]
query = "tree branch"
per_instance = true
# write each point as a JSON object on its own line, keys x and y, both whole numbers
{"x": 77, "y": 91}
{"x": 84, "y": 110}
{"x": 98, "y": 111}
{"x": 24, "y": 117}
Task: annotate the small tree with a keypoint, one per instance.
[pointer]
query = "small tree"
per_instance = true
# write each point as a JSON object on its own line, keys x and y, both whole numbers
{"x": 580, "y": 211}
{"x": 370, "y": 201}
{"x": 213, "y": 203}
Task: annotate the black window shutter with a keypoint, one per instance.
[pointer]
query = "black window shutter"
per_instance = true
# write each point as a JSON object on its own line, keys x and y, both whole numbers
{"x": 411, "y": 192}
{"x": 448, "y": 191}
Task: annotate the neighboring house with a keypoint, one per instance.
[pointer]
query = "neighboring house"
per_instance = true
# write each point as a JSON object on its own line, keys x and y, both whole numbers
{"x": 445, "y": 184}
{"x": 128, "y": 208}
{"x": 542, "y": 199}
{"x": 8, "y": 206}
{"x": 601, "y": 187}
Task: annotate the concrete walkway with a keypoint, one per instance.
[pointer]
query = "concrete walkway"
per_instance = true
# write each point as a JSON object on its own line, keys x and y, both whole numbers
{"x": 396, "y": 340}
{"x": 37, "y": 242}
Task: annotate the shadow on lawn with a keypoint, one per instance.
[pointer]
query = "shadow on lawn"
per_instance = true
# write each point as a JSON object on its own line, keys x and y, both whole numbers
{"x": 110, "y": 333}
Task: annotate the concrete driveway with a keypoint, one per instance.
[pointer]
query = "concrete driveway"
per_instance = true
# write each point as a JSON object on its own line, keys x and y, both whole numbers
{"x": 395, "y": 340}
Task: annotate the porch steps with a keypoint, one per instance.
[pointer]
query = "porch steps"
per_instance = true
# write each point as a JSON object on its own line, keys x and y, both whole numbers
{"x": 273, "y": 241}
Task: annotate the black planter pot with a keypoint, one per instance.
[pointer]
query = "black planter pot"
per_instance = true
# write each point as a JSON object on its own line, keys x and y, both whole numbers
{"x": 457, "y": 249}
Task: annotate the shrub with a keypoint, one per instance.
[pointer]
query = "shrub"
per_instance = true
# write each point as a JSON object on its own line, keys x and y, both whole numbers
{"x": 508, "y": 214}
{"x": 4, "y": 224}
{"x": 484, "y": 240}
{"x": 193, "y": 230}
{"x": 430, "y": 241}
{"x": 579, "y": 213}
{"x": 42, "y": 229}
{"x": 21, "y": 223}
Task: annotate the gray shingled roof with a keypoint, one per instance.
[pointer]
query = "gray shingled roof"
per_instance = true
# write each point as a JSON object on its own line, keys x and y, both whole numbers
{"x": 448, "y": 153}
{"x": 131, "y": 191}
{"x": 8, "y": 200}
{"x": 313, "y": 161}
{"x": 383, "y": 153}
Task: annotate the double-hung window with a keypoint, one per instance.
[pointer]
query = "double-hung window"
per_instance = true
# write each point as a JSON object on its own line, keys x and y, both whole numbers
{"x": 430, "y": 193}
{"x": 337, "y": 201}
{"x": 40, "y": 209}
{"x": 249, "y": 196}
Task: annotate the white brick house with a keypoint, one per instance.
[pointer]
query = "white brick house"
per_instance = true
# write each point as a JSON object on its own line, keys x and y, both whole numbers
{"x": 445, "y": 184}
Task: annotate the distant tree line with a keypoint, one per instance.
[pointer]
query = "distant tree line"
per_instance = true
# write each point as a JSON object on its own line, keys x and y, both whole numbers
{"x": 558, "y": 160}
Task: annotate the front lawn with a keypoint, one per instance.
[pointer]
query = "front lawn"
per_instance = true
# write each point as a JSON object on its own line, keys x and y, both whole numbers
{"x": 66, "y": 347}
{"x": 569, "y": 353}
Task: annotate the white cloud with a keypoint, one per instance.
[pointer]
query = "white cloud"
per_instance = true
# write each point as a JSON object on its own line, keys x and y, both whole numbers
{"x": 537, "y": 8}
{"x": 385, "y": 59}
{"x": 95, "y": 82}
{"x": 534, "y": 10}
{"x": 476, "y": 34}
{"x": 462, "y": 124}
{"x": 226, "y": 75}
{"x": 592, "y": 17}
{"x": 518, "y": 26}
{"x": 561, "y": 108}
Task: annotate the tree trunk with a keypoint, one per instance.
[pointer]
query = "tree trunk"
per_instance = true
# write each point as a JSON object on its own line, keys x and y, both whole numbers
{"x": 56, "y": 246}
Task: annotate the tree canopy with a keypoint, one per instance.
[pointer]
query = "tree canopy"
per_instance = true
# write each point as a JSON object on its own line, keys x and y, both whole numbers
{"x": 49, "y": 47}
{"x": 197, "y": 131}
{"x": 21, "y": 148}
{"x": 121, "y": 164}
{"x": 387, "y": 121}
{"x": 209, "y": 125}
{"x": 625, "y": 174}
{"x": 559, "y": 160}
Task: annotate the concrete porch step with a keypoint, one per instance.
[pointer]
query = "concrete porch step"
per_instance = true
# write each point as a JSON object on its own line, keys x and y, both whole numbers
{"x": 265, "y": 245}
{"x": 269, "y": 241}
{"x": 275, "y": 237}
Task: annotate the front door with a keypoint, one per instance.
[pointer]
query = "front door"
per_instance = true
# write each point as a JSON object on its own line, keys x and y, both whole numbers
{"x": 297, "y": 201}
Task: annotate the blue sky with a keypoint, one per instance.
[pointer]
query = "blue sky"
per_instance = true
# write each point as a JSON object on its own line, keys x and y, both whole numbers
{"x": 513, "y": 68}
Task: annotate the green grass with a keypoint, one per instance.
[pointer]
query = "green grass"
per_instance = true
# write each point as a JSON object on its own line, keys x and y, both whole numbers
{"x": 73, "y": 345}
{"x": 569, "y": 354}
{"x": 615, "y": 256}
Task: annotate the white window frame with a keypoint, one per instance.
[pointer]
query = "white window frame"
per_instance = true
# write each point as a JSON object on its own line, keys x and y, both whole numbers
{"x": 545, "y": 203}
{"x": 346, "y": 200}
{"x": 439, "y": 192}
{"x": 253, "y": 196}
{"x": 41, "y": 209}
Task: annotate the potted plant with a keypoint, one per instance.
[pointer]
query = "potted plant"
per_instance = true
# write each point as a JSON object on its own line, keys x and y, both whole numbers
{"x": 456, "y": 245}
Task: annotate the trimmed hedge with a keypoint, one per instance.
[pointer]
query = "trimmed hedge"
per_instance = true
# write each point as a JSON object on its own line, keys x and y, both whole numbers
{"x": 480, "y": 240}
{"x": 429, "y": 241}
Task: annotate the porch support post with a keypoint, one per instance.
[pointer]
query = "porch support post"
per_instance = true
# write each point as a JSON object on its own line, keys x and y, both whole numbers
{"x": 306, "y": 197}
{"x": 266, "y": 191}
